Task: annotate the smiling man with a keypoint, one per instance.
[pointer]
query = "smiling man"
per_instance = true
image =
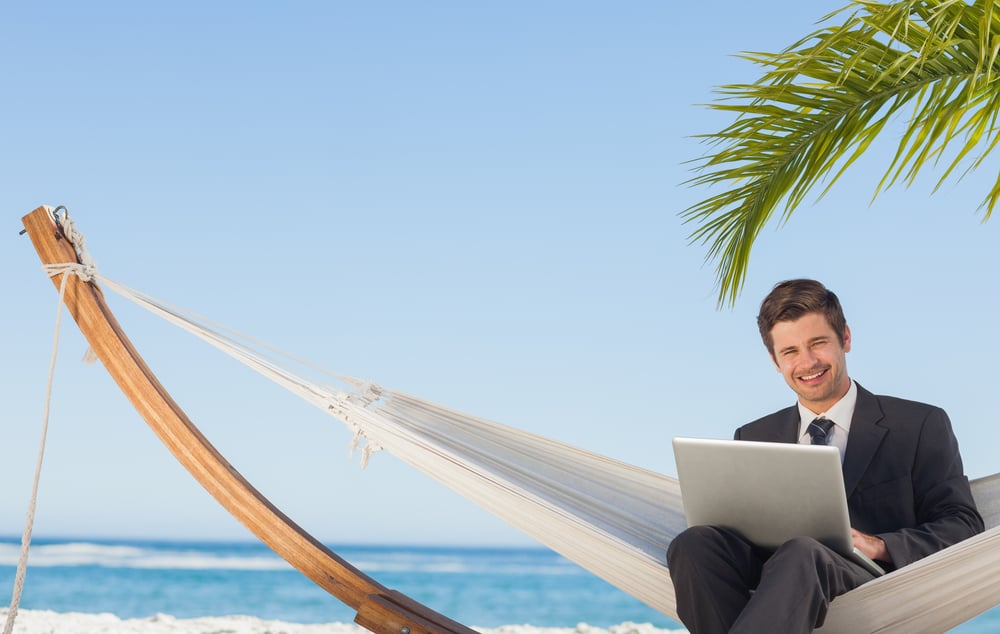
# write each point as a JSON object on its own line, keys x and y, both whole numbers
{"x": 907, "y": 492}
{"x": 811, "y": 356}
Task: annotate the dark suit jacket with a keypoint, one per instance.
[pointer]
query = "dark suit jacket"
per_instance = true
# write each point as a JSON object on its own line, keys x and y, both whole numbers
{"x": 902, "y": 472}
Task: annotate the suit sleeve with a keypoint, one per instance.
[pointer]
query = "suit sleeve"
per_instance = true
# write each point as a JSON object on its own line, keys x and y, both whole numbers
{"x": 944, "y": 509}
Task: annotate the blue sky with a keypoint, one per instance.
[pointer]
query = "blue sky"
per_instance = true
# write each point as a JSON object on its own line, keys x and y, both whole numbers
{"x": 476, "y": 203}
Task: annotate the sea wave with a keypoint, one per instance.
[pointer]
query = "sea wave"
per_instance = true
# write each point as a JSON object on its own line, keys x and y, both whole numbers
{"x": 256, "y": 557}
{"x": 131, "y": 556}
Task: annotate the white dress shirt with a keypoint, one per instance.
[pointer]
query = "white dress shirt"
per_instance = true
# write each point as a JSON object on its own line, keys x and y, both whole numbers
{"x": 840, "y": 413}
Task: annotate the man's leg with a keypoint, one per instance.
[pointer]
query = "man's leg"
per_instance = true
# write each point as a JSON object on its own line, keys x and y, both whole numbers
{"x": 713, "y": 570}
{"x": 796, "y": 587}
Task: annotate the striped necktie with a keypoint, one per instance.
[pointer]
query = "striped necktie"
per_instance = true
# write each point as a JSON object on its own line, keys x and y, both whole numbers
{"x": 819, "y": 429}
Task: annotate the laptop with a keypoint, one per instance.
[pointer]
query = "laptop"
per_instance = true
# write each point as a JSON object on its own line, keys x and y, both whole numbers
{"x": 769, "y": 492}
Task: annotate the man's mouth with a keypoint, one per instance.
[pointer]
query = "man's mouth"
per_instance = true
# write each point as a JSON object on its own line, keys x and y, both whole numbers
{"x": 813, "y": 376}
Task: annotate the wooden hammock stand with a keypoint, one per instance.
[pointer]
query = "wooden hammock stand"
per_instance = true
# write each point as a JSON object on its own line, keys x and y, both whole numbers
{"x": 379, "y": 609}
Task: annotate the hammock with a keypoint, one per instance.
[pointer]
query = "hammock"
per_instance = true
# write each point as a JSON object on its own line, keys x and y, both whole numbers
{"x": 613, "y": 519}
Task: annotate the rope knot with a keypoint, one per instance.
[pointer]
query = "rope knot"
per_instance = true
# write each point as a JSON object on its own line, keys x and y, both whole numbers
{"x": 85, "y": 271}
{"x": 86, "y": 268}
{"x": 349, "y": 408}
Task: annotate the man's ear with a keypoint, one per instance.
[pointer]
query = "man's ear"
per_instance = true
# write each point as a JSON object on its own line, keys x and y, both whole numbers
{"x": 847, "y": 338}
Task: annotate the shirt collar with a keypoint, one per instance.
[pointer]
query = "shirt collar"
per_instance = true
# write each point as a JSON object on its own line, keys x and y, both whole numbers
{"x": 840, "y": 413}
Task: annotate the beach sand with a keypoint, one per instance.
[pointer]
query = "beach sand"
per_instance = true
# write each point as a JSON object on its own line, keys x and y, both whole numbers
{"x": 46, "y": 622}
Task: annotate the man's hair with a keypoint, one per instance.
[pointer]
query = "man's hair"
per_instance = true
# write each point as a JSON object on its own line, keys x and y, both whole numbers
{"x": 792, "y": 299}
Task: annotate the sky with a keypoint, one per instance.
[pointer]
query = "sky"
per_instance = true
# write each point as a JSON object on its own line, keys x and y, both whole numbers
{"x": 476, "y": 203}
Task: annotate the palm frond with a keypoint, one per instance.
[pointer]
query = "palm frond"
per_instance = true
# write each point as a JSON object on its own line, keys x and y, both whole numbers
{"x": 821, "y": 103}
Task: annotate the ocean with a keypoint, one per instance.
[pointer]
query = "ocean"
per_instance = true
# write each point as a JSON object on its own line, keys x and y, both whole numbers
{"x": 485, "y": 587}
{"x": 480, "y": 587}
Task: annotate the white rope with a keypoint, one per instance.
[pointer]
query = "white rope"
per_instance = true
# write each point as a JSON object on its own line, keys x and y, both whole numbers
{"x": 273, "y": 364}
{"x": 85, "y": 272}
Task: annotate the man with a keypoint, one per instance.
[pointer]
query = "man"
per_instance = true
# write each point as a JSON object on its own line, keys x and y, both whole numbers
{"x": 907, "y": 493}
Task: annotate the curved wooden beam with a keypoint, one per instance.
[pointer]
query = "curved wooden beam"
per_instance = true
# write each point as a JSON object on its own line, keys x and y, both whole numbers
{"x": 379, "y": 609}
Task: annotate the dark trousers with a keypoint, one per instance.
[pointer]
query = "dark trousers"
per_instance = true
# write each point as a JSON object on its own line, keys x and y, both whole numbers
{"x": 725, "y": 584}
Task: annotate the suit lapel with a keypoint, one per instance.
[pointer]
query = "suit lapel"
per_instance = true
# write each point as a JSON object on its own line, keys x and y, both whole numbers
{"x": 863, "y": 440}
{"x": 789, "y": 428}
{"x": 781, "y": 426}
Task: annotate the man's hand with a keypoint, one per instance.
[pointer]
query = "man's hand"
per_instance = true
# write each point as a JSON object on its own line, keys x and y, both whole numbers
{"x": 870, "y": 545}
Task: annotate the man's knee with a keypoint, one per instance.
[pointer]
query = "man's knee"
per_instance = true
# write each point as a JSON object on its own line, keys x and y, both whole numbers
{"x": 803, "y": 558}
{"x": 691, "y": 543}
{"x": 803, "y": 548}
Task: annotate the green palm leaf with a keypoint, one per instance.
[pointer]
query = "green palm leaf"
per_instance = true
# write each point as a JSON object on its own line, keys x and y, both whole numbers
{"x": 823, "y": 101}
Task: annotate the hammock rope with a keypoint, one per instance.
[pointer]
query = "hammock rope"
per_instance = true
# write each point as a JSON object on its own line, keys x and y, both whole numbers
{"x": 614, "y": 519}
{"x": 85, "y": 272}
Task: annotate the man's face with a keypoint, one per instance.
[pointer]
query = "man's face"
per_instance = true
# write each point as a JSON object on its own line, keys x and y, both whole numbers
{"x": 809, "y": 355}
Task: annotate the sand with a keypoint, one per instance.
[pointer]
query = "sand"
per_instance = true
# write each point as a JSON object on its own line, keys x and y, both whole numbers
{"x": 46, "y": 622}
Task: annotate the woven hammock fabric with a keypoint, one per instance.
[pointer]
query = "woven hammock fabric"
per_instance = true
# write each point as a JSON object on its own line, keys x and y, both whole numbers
{"x": 613, "y": 519}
